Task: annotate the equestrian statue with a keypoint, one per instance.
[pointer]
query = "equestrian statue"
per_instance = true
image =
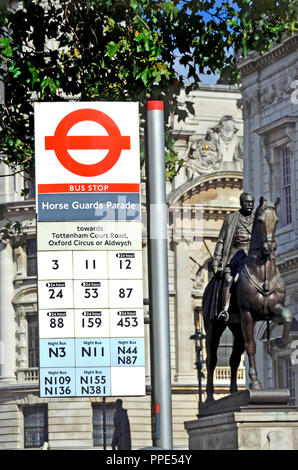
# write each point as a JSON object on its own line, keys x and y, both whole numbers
{"x": 246, "y": 287}
{"x": 260, "y": 289}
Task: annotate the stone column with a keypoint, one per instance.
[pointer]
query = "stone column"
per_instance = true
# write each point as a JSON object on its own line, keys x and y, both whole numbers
{"x": 185, "y": 356}
{"x": 7, "y": 315}
{"x": 22, "y": 356}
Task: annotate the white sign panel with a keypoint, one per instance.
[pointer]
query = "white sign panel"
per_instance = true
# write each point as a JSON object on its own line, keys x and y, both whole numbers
{"x": 89, "y": 250}
{"x": 87, "y": 145}
{"x": 83, "y": 150}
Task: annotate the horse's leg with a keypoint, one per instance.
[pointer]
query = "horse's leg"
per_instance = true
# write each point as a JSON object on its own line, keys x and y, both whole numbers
{"x": 214, "y": 329}
{"x": 237, "y": 351}
{"x": 286, "y": 317}
{"x": 247, "y": 324}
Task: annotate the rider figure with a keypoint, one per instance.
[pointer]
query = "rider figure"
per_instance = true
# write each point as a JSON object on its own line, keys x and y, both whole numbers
{"x": 231, "y": 249}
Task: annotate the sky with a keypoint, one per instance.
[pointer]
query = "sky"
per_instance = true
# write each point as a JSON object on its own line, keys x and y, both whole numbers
{"x": 205, "y": 78}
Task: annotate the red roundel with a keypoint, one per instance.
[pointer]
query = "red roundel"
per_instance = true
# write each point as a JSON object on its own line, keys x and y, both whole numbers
{"x": 61, "y": 142}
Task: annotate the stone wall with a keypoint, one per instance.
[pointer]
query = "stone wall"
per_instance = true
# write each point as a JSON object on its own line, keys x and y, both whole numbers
{"x": 270, "y": 113}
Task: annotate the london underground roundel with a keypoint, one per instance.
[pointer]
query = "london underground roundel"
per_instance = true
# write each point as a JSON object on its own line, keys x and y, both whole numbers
{"x": 61, "y": 142}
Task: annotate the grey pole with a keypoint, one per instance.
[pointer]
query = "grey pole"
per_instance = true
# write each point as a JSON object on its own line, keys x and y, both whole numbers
{"x": 158, "y": 276}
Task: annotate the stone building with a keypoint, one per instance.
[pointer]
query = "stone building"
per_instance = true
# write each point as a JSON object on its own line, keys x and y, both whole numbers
{"x": 270, "y": 113}
{"x": 206, "y": 189}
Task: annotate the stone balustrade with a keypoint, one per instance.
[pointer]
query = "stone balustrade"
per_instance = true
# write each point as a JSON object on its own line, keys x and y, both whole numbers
{"x": 221, "y": 375}
{"x": 28, "y": 374}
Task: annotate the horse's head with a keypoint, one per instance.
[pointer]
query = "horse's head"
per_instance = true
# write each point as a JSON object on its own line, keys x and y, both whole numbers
{"x": 265, "y": 224}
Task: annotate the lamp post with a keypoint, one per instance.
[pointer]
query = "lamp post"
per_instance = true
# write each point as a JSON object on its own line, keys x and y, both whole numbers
{"x": 198, "y": 337}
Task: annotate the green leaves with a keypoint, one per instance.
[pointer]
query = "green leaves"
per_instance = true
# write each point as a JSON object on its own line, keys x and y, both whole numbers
{"x": 173, "y": 162}
{"x": 5, "y": 47}
{"x": 47, "y": 82}
{"x": 112, "y": 49}
{"x": 144, "y": 40}
{"x": 12, "y": 231}
{"x": 14, "y": 70}
{"x": 134, "y": 4}
{"x": 170, "y": 10}
{"x": 123, "y": 50}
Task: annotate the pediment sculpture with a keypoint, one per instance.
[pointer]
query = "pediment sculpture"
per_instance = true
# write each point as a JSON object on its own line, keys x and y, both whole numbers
{"x": 220, "y": 144}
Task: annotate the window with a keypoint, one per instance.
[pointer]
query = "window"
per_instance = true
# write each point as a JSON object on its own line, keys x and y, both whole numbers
{"x": 103, "y": 420}
{"x": 35, "y": 425}
{"x": 285, "y": 161}
{"x": 290, "y": 380}
{"x": 278, "y": 143}
{"x": 31, "y": 257}
{"x": 225, "y": 349}
{"x": 33, "y": 347}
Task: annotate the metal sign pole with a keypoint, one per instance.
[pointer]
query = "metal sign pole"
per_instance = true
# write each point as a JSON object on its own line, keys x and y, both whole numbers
{"x": 158, "y": 276}
{"x": 104, "y": 423}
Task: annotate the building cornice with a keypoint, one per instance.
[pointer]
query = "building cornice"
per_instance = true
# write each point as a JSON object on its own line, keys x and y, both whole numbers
{"x": 214, "y": 87}
{"x": 287, "y": 261}
{"x": 255, "y": 62}
{"x": 19, "y": 207}
{"x": 279, "y": 123}
{"x": 216, "y": 213}
{"x": 14, "y": 389}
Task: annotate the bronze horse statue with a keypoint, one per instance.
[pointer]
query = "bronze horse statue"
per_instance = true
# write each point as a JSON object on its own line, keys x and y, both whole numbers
{"x": 260, "y": 288}
{"x": 214, "y": 330}
{"x": 257, "y": 295}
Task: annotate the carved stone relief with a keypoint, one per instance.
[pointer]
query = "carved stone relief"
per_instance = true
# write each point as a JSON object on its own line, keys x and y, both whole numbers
{"x": 199, "y": 283}
{"x": 268, "y": 95}
{"x": 221, "y": 143}
{"x": 245, "y": 105}
{"x": 279, "y": 91}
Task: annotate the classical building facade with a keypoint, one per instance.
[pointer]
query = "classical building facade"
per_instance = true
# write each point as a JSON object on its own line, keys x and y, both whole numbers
{"x": 206, "y": 189}
{"x": 270, "y": 113}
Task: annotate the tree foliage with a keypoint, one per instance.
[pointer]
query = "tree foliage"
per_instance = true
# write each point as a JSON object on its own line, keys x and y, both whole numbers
{"x": 122, "y": 50}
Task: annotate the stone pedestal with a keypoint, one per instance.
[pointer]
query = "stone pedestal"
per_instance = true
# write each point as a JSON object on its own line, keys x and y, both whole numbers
{"x": 246, "y": 421}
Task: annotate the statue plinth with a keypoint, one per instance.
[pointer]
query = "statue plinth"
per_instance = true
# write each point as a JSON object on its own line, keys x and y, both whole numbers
{"x": 249, "y": 399}
{"x": 247, "y": 420}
